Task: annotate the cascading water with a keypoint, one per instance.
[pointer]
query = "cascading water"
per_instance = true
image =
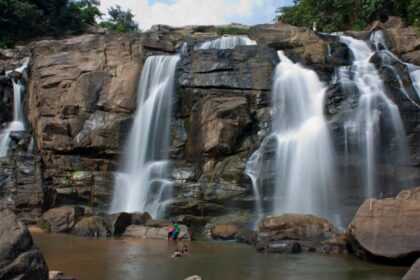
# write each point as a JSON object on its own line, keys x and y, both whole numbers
{"x": 377, "y": 39}
{"x": 18, "y": 123}
{"x": 227, "y": 42}
{"x": 303, "y": 157}
{"x": 373, "y": 106}
{"x": 143, "y": 185}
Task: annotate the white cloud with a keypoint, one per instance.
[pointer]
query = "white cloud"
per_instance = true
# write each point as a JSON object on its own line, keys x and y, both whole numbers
{"x": 189, "y": 12}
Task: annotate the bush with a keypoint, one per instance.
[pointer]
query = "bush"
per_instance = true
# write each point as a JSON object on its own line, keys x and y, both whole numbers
{"x": 120, "y": 21}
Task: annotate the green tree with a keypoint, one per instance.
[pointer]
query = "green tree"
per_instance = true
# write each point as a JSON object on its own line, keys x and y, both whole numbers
{"x": 25, "y": 19}
{"x": 413, "y": 13}
{"x": 335, "y": 15}
{"x": 17, "y": 20}
{"x": 120, "y": 21}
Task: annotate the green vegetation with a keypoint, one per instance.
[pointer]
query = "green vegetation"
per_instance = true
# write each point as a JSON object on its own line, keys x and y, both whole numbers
{"x": 26, "y": 19}
{"x": 232, "y": 31}
{"x": 120, "y": 21}
{"x": 335, "y": 15}
{"x": 44, "y": 225}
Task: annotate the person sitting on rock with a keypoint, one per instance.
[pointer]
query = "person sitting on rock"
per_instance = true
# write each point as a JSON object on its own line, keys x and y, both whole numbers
{"x": 176, "y": 231}
{"x": 170, "y": 232}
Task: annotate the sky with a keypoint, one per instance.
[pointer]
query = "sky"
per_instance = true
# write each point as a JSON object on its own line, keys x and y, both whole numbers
{"x": 198, "y": 12}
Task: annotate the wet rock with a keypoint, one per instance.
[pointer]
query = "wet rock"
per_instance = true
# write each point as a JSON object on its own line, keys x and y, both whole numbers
{"x": 138, "y": 218}
{"x": 190, "y": 221}
{"x": 148, "y": 232}
{"x": 62, "y": 219}
{"x": 194, "y": 207}
{"x": 403, "y": 40}
{"x": 58, "y": 275}
{"x": 224, "y": 231}
{"x": 394, "y": 236}
{"x": 158, "y": 223}
{"x": 414, "y": 272}
{"x": 19, "y": 257}
{"x": 292, "y": 233}
{"x": 6, "y": 100}
{"x": 93, "y": 226}
{"x": 246, "y": 236}
{"x": 119, "y": 222}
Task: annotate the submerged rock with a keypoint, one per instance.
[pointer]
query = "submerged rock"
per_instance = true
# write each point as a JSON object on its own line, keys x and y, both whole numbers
{"x": 387, "y": 229}
{"x": 20, "y": 259}
{"x": 293, "y": 233}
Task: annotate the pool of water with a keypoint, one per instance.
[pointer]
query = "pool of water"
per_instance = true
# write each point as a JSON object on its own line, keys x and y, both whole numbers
{"x": 118, "y": 259}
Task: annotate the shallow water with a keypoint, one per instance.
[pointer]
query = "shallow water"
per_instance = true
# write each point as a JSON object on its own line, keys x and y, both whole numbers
{"x": 117, "y": 259}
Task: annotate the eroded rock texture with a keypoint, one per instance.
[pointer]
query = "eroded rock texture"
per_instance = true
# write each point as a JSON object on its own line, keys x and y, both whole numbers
{"x": 388, "y": 229}
{"x": 81, "y": 97}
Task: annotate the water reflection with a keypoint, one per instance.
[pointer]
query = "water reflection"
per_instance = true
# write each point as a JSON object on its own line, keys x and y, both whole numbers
{"x": 89, "y": 259}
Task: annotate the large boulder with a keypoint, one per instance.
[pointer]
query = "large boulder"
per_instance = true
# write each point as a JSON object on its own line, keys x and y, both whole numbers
{"x": 293, "y": 233}
{"x": 147, "y": 232}
{"x": 414, "y": 272}
{"x": 280, "y": 36}
{"x": 92, "y": 226}
{"x": 62, "y": 219}
{"x": 20, "y": 259}
{"x": 224, "y": 231}
{"x": 387, "y": 229}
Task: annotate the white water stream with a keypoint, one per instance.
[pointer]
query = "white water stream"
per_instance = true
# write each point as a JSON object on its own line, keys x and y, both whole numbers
{"x": 303, "y": 156}
{"x": 227, "y": 42}
{"x": 18, "y": 123}
{"x": 142, "y": 185}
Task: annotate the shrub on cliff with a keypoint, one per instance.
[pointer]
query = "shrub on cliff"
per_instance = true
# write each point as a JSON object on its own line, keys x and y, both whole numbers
{"x": 120, "y": 21}
{"x": 335, "y": 15}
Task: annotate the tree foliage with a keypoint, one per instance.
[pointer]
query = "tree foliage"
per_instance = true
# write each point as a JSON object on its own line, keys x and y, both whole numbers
{"x": 120, "y": 21}
{"x": 335, "y": 15}
{"x": 24, "y": 19}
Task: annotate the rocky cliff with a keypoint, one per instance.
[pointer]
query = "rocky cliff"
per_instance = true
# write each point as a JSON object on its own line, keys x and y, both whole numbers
{"x": 81, "y": 96}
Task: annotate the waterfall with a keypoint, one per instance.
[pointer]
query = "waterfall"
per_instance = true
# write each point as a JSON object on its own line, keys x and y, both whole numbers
{"x": 363, "y": 127}
{"x": 304, "y": 166}
{"x": 18, "y": 123}
{"x": 142, "y": 185}
{"x": 377, "y": 38}
{"x": 227, "y": 42}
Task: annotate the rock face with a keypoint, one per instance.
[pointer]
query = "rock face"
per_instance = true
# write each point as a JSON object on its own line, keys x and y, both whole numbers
{"x": 293, "y": 233}
{"x": 81, "y": 97}
{"x": 19, "y": 257}
{"x": 387, "y": 229}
